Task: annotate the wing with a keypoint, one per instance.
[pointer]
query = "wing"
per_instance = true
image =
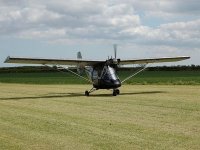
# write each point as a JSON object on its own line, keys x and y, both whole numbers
{"x": 152, "y": 60}
{"x": 89, "y": 62}
{"x": 52, "y": 61}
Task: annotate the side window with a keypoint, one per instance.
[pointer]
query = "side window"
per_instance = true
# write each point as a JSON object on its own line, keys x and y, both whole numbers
{"x": 106, "y": 75}
{"x": 94, "y": 75}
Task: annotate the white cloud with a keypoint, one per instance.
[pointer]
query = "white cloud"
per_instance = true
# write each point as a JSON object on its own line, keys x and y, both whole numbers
{"x": 95, "y": 20}
{"x": 178, "y": 33}
{"x": 43, "y": 33}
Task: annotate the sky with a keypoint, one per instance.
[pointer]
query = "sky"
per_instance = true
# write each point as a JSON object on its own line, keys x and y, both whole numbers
{"x": 61, "y": 28}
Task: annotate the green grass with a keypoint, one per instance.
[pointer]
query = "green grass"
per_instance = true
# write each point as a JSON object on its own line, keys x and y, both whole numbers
{"x": 40, "y": 78}
{"x": 146, "y": 77}
{"x": 60, "y": 117}
{"x": 166, "y": 78}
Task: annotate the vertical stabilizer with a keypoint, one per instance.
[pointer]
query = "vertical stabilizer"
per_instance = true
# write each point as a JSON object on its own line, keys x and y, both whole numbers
{"x": 80, "y": 69}
{"x": 79, "y": 56}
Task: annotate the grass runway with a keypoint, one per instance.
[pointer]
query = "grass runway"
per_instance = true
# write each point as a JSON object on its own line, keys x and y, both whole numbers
{"x": 61, "y": 117}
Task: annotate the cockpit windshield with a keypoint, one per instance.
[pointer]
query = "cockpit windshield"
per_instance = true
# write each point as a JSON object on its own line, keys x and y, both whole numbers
{"x": 107, "y": 73}
{"x": 112, "y": 73}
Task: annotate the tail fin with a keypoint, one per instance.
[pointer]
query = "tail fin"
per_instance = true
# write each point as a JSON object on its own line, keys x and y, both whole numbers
{"x": 80, "y": 69}
{"x": 79, "y": 56}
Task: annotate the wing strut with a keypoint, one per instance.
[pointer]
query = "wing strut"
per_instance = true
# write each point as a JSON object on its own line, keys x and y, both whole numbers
{"x": 135, "y": 73}
{"x": 71, "y": 72}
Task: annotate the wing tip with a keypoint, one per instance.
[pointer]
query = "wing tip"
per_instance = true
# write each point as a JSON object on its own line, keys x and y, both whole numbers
{"x": 186, "y": 57}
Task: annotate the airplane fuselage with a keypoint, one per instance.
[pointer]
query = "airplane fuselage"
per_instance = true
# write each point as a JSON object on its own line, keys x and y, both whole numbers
{"x": 105, "y": 77}
{"x": 107, "y": 84}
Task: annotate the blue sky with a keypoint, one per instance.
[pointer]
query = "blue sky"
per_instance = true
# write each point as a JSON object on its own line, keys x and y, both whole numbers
{"x": 58, "y": 29}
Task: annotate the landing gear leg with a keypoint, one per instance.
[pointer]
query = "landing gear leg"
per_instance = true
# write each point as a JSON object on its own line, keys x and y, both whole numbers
{"x": 87, "y": 93}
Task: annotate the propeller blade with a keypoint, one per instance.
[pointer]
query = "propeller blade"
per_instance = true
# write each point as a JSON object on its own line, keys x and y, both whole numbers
{"x": 115, "y": 50}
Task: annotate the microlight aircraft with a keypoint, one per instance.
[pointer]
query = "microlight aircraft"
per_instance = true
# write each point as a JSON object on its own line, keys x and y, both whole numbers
{"x": 101, "y": 73}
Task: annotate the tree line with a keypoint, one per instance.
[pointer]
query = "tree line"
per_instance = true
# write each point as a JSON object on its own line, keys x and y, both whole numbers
{"x": 32, "y": 69}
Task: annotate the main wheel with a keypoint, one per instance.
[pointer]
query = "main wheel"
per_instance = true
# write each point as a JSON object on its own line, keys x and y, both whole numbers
{"x": 87, "y": 93}
{"x": 117, "y": 91}
{"x": 114, "y": 93}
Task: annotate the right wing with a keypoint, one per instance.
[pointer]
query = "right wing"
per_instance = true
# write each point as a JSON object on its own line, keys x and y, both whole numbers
{"x": 152, "y": 60}
{"x": 42, "y": 61}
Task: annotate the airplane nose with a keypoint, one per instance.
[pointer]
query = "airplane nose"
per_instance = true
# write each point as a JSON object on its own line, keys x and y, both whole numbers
{"x": 117, "y": 83}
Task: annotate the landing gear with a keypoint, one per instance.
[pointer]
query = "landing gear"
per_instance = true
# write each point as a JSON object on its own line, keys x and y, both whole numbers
{"x": 87, "y": 93}
{"x": 116, "y": 92}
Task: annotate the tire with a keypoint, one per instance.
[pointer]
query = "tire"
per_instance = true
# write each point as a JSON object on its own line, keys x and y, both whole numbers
{"x": 117, "y": 91}
{"x": 114, "y": 93}
{"x": 87, "y": 93}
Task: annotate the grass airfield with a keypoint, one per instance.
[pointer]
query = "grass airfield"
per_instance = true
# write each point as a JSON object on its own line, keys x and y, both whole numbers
{"x": 61, "y": 117}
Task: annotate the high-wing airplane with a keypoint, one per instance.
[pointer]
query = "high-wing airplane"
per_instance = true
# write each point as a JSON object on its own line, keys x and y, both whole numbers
{"x": 101, "y": 73}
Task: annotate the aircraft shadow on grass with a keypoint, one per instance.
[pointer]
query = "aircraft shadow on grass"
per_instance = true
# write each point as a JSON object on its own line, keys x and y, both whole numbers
{"x": 63, "y": 95}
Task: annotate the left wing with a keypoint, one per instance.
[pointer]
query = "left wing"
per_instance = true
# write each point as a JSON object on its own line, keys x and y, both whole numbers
{"x": 42, "y": 61}
{"x": 152, "y": 60}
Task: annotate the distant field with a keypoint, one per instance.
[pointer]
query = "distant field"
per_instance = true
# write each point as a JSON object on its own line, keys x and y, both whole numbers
{"x": 146, "y": 77}
{"x": 61, "y": 117}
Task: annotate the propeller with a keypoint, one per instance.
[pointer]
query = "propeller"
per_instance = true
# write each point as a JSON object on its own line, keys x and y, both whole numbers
{"x": 114, "y": 61}
{"x": 115, "y": 51}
